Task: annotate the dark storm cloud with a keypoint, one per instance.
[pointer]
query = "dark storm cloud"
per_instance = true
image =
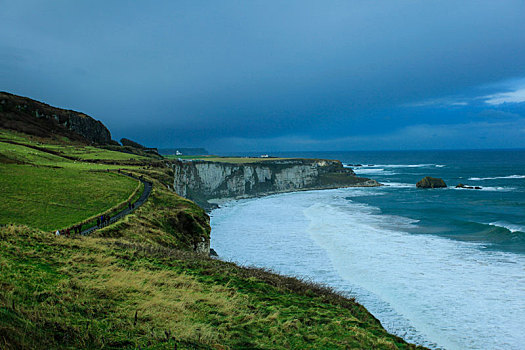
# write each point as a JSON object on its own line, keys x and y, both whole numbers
{"x": 262, "y": 74}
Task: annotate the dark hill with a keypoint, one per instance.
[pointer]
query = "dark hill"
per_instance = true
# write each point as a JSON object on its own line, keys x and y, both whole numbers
{"x": 131, "y": 143}
{"x": 36, "y": 118}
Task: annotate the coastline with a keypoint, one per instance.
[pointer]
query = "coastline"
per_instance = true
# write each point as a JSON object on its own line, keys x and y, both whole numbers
{"x": 156, "y": 261}
{"x": 205, "y": 181}
{"x": 416, "y": 249}
{"x": 216, "y": 202}
{"x": 299, "y": 244}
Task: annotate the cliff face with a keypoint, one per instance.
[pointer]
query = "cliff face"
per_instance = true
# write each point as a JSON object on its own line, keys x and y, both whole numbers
{"x": 37, "y": 118}
{"x": 203, "y": 180}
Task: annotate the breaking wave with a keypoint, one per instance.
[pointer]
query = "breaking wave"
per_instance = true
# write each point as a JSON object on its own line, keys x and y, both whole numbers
{"x": 373, "y": 171}
{"x": 398, "y": 185}
{"x": 511, "y": 227}
{"x": 497, "y": 177}
{"x": 487, "y": 188}
{"x": 395, "y": 166}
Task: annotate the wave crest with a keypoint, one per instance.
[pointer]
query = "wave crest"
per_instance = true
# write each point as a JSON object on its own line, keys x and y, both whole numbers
{"x": 497, "y": 177}
{"x": 511, "y": 227}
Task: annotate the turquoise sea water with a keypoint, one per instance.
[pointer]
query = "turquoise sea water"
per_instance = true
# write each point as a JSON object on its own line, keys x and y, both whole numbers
{"x": 494, "y": 215}
{"x": 443, "y": 268}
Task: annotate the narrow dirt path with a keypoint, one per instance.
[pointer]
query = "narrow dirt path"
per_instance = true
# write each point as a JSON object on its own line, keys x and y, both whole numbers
{"x": 143, "y": 198}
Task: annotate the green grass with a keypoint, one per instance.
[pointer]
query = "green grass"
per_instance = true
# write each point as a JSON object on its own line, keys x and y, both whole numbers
{"x": 234, "y": 160}
{"x": 135, "y": 284}
{"x": 80, "y": 151}
{"x": 106, "y": 293}
{"x": 53, "y": 198}
{"x": 174, "y": 156}
{"x": 23, "y": 154}
{"x": 94, "y": 153}
{"x": 166, "y": 219}
{"x": 243, "y": 160}
{"x": 15, "y": 153}
{"x": 43, "y": 188}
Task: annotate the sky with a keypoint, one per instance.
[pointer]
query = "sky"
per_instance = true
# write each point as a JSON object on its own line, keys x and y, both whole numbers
{"x": 236, "y": 76}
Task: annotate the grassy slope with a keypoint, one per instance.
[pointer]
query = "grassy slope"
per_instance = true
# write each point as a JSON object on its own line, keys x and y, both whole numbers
{"x": 69, "y": 149}
{"x": 49, "y": 192}
{"x": 50, "y": 198}
{"x": 135, "y": 284}
{"x": 165, "y": 219}
{"x": 89, "y": 292}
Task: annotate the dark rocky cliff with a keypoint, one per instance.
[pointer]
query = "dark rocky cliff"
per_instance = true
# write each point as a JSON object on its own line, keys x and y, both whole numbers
{"x": 36, "y": 118}
{"x": 202, "y": 181}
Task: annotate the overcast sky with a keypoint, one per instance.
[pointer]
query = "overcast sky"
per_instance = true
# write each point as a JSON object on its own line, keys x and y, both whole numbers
{"x": 277, "y": 75}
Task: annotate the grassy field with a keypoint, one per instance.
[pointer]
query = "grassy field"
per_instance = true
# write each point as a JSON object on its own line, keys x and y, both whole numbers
{"x": 107, "y": 293}
{"x": 205, "y": 157}
{"x": 17, "y": 153}
{"x": 67, "y": 149}
{"x": 54, "y": 198}
{"x": 93, "y": 153}
{"x": 48, "y": 191}
{"x": 234, "y": 160}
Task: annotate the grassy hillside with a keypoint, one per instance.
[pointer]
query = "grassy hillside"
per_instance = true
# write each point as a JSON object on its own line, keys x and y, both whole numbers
{"x": 43, "y": 189}
{"x": 138, "y": 283}
{"x": 50, "y": 198}
{"x": 88, "y": 292}
{"x": 70, "y": 150}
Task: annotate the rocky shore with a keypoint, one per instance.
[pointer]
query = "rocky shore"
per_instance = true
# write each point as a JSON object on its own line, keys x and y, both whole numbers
{"x": 208, "y": 182}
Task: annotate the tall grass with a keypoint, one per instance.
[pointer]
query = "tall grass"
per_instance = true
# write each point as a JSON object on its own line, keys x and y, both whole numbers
{"x": 93, "y": 292}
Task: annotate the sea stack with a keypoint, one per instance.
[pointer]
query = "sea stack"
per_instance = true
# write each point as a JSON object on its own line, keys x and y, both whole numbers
{"x": 431, "y": 182}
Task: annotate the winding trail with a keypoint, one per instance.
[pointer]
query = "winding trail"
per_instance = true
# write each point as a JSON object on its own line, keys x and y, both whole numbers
{"x": 143, "y": 198}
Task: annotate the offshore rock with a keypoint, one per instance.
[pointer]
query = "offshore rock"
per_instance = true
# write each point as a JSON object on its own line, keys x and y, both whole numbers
{"x": 468, "y": 187}
{"x": 431, "y": 182}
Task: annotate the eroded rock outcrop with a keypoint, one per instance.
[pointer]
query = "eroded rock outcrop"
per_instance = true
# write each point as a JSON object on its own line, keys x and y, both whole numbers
{"x": 37, "y": 118}
{"x": 205, "y": 180}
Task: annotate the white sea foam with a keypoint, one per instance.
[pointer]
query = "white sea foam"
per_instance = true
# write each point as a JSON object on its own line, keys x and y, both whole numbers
{"x": 498, "y": 189}
{"x": 430, "y": 290}
{"x": 360, "y": 192}
{"x": 397, "y": 166}
{"x": 486, "y": 188}
{"x": 508, "y": 226}
{"x": 373, "y": 171}
{"x": 386, "y": 169}
{"x": 497, "y": 177}
{"x": 398, "y": 185}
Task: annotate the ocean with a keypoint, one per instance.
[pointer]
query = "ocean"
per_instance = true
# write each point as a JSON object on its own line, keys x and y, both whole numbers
{"x": 444, "y": 268}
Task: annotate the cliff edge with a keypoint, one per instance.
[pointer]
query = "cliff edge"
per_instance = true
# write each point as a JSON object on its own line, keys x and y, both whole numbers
{"x": 206, "y": 181}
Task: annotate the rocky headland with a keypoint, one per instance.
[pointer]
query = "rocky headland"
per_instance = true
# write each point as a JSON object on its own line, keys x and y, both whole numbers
{"x": 36, "y": 118}
{"x": 208, "y": 181}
